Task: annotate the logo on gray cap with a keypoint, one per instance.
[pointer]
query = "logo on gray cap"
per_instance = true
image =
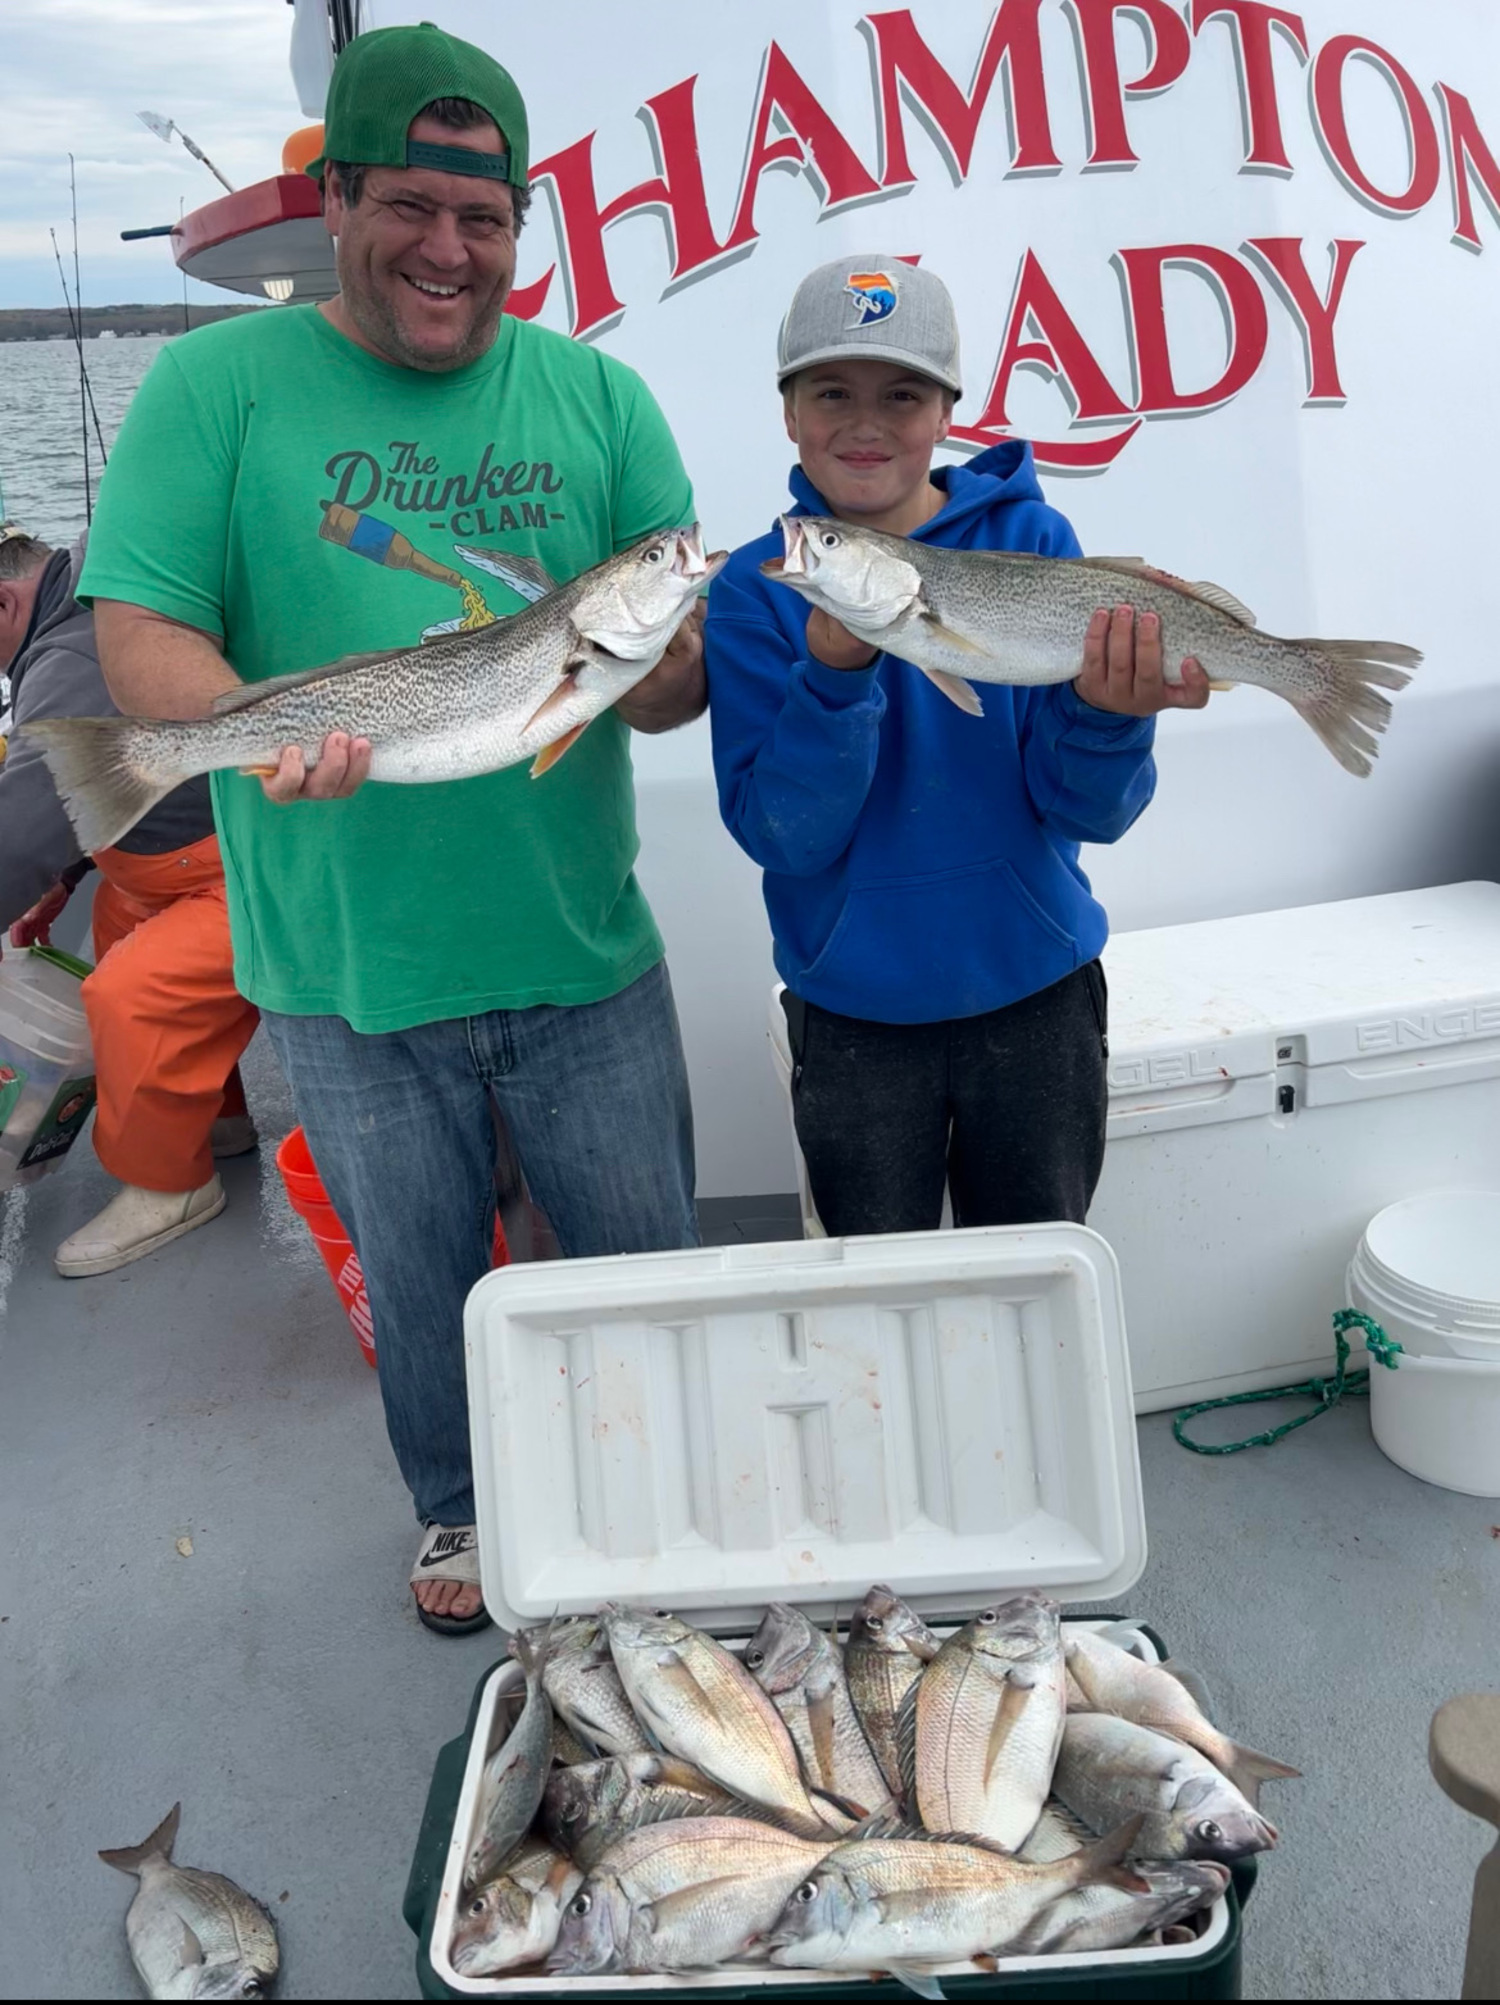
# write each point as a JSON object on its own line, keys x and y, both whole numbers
{"x": 872, "y": 309}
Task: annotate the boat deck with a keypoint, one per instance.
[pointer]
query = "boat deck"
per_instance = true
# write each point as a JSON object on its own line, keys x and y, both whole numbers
{"x": 278, "y": 1683}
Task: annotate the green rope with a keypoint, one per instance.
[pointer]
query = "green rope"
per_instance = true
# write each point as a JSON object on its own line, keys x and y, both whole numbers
{"x": 1326, "y": 1391}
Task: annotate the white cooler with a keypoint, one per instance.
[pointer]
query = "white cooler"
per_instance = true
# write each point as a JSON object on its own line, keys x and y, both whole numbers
{"x": 1275, "y": 1081}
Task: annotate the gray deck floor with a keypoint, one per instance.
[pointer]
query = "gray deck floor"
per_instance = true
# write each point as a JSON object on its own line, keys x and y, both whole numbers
{"x": 278, "y": 1683}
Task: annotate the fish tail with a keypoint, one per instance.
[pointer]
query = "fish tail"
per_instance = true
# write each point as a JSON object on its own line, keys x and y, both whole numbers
{"x": 1103, "y": 1863}
{"x": 1247, "y": 1770}
{"x": 104, "y": 772}
{"x": 1350, "y": 715}
{"x": 130, "y": 1858}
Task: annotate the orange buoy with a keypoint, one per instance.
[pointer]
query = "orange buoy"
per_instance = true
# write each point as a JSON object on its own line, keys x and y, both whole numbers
{"x": 304, "y": 146}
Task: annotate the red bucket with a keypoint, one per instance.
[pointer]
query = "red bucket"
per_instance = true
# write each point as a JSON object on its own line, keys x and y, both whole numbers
{"x": 310, "y": 1202}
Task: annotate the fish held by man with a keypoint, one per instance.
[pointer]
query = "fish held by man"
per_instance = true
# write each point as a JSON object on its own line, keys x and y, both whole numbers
{"x": 965, "y": 616}
{"x": 523, "y": 687}
{"x": 193, "y": 1934}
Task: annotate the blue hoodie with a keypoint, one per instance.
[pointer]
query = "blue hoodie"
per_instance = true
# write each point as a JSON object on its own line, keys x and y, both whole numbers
{"x": 920, "y": 863}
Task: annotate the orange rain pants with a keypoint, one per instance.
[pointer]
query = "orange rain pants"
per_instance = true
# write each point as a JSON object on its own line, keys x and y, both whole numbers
{"x": 167, "y": 1023}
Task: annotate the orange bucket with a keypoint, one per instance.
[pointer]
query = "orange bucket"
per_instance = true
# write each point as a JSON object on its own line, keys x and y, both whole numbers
{"x": 310, "y": 1202}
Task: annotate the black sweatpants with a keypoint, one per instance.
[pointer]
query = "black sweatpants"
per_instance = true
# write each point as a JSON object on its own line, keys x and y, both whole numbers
{"x": 1006, "y": 1109}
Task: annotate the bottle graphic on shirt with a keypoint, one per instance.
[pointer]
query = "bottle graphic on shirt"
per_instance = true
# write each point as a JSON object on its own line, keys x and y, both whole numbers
{"x": 368, "y": 536}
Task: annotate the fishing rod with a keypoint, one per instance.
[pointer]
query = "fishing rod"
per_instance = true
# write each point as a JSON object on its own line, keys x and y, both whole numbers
{"x": 75, "y": 328}
{"x": 78, "y": 297}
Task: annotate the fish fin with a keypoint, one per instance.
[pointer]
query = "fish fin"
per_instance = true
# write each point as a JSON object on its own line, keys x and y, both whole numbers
{"x": 191, "y": 1951}
{"x": 820, "y": 1724}
{"x": 1012, "y": 1704}
{"x": 103, "y": 785}
{"x": 1216, "y": 595}
{"x": 1247, "y": 1770}
{"x": 1191, "y": 1683}
{"x": 552, "y": 700}
{"x": 845, "y": 1805}
{"x": 1123, "y": 1635}
{"x": 923, "y": 1982}
{"x": 1350, "y": 716}
{"x": 549, "y": 755}
{"x": 1209, "y": 594}
{"x": 906, "y": 1739}
{"x": 956, "y": 690}
{"x": 684, "y": 1898}
{"x": 527, "y": 576}
{"x": 250, "y": 693}
{"x": 677, "y": 1674}
{"x": 130, "y": 1858}
{"x": 1103, "y": 1860}
{"x": 945, "y": 633}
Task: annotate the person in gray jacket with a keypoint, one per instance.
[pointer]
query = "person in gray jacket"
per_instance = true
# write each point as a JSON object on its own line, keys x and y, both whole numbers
{"x": 166, "y": 1022}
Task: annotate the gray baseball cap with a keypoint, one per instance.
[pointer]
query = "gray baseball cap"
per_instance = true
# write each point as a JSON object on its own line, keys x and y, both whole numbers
{"x": 872, "y": 309}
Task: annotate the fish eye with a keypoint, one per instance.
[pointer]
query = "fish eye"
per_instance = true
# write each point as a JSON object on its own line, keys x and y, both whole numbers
{"x": 477, "y": 1907}
{"x": 1209, "y": 1832}
{"x": 988, "y": 1619}
{"x": 755, "y": 1658}
{"x": 581, "y": 1906}
{"x": 654, "y": 554}
{"x": 662, "y": 1614}
{"x": 874, "y": 1623}
{"x": 569, "y": 1813}
{"x": 808, "y": 1891}
{"x": 830, "y": 539}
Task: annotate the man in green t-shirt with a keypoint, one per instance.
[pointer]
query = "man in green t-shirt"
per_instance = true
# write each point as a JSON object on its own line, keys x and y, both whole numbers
{"x": 311, "y": 482}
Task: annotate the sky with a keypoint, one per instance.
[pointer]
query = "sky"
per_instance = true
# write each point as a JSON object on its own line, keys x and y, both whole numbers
{"x": 76, "y": 72}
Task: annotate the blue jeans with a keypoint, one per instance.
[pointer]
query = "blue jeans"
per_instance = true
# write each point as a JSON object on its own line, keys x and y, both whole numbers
{"x": 401, "y": 1127}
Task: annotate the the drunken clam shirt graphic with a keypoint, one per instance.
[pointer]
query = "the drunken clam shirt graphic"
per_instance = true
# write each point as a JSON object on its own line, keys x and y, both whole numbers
{"x": 493, "y": 497}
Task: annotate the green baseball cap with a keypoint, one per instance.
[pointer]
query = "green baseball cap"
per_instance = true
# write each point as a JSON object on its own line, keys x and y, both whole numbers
{"x": 382, "y": 81}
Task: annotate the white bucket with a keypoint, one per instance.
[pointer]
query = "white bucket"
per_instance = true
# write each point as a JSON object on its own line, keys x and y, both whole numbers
{"x": 1428, "y": 1271}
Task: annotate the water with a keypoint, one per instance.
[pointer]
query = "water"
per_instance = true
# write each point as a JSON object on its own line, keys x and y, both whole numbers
{"x": 41, "y": 444}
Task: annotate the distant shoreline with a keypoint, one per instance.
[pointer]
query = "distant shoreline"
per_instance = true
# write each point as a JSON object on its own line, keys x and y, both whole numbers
{"x": 51, "y": 323}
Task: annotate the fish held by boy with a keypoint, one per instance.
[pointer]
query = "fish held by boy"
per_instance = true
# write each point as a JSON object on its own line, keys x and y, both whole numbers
{"x": 523, "y": 687}
{"x": 193, "y": 1934}
{"x": 964, "y": 616}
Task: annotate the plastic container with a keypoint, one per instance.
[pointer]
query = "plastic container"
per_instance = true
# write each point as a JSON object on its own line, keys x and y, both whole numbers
{"x": 1428, "y": 1271}
{"x": 46, "y": 1062}
{"x": 709, "y": 1430}
{"x": 304, "y": 1187}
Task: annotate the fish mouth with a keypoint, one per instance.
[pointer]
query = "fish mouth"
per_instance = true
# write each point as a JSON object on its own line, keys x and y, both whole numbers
{"x": 691, "y": 560}
{"x": 797, "y": 559}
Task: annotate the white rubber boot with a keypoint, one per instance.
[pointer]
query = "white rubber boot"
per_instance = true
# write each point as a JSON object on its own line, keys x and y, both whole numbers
{"x": 135, "y": 1222}
{"x": 233, "y": 1135}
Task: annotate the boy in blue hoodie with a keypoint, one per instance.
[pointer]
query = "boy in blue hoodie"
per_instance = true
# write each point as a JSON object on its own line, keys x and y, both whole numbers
{"x": 938, "y": 940}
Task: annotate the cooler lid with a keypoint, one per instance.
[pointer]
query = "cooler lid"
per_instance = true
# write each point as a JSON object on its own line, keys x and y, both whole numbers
{"x": 1342, "y": 982}
{"x": 950, "y": 1413}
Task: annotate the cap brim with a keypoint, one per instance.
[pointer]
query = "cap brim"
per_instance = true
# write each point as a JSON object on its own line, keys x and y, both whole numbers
{"x": 867, "y": 351}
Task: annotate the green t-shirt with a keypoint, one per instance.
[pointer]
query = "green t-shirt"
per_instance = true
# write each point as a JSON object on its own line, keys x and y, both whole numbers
{"x": 272, "y": 484}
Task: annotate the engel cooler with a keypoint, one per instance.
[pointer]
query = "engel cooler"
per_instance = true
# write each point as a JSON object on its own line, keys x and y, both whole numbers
{"x": 1275, "y": 1081}
{"x": 708, "y": 1431}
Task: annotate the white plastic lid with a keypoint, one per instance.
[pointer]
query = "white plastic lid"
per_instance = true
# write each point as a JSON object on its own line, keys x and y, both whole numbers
{"x": 949, "y": 1413}
{"x": 1447, "y": 1244}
